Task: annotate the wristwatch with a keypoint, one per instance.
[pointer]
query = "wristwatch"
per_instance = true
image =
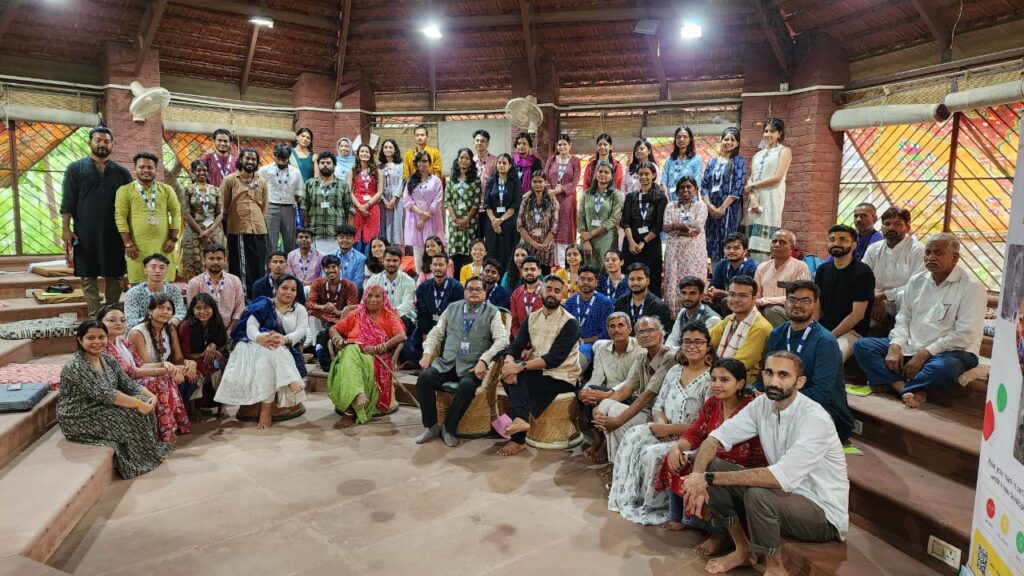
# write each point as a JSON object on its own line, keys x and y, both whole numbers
{"x": 709, "y": 478}
{"x": 522, "y": 363}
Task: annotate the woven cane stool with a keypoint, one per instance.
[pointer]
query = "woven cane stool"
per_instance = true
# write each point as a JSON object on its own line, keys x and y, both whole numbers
{"x": 556, "y": 428}
{"x": 476, "y": 422}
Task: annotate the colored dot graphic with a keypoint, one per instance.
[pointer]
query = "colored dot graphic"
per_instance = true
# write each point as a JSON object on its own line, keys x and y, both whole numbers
{"x": 1004, "y": 524}
{"x": 990, "y": 508}
{"x": 1020, "y": 542}
{"x": 1001, "y": 398}
{"x": 989, "y": 424}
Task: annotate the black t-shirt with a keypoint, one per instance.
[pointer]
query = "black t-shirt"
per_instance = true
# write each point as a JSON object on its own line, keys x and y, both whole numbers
{"x": 840, "y": 288}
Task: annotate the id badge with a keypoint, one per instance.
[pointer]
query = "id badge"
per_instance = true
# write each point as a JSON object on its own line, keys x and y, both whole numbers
{"x": 537, "y": 232}
{"x": 325, "y": 204}
{"x": 463, "y": 348}
{"x": 643, "y": 230}
{"x": 208, "y": 222}
{"x": 595, "y": 222}
{"x": 366, "y": 197}
{"x": 499, "y": 210}
{"x": 152, "y": 221}
{"x": 461, "y": 207}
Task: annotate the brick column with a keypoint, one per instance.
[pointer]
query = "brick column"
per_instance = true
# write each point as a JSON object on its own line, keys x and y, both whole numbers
{"x": 546, "y": 92}
{"x": 130, "y": 136}
{"x": 317, "y": 91}
{"x": 812, "y": 184}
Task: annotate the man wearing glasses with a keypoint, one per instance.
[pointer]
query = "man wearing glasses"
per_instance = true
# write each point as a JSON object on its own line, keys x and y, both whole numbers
{"x": 819, "y": 351}
{"x": 742, "y": 334}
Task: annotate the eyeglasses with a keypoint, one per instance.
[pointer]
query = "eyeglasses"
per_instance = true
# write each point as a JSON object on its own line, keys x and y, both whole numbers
{"x": 475, "y": 289}
{"x": 802, "y": 301}
{"x": 686, "y": 342}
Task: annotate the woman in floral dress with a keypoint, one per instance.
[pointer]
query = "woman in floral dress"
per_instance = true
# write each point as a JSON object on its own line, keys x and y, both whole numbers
{"x": 722, "y": 192}
{"x": 461, "y": 203}
{"x": 203, "y": 215}
{"x": 366, "y": 194}
{"x": 687, "y": 253}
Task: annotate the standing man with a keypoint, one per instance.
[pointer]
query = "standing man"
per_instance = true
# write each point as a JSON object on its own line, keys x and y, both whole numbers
{"x": 893, "y": 262}
{"x": 432, "y": 298}
{"x": 148, "y": 217}
{"x": 304, "y": 261}
{"x": 742, "y": 334}
{"x": 399, "y": 286}
{"x": 225, "y": 288}
{"x": 640, "y": 302}
{"x": 847, "y": 290}
{"x": 864, "y": 217}
{"x": 89, "y": 191}
{"x": 409, "y": 166}
{"x": 327, "y": 203}
{"x": 245, "y": 201}
{"x": 691, "y": 291}
{"x": 592, "y": 310}
{"x": 773, "y": 275}
{"x": 552, "y": 335}
{"x": 470, "y": 335}
{"x": 803, "y": 492}
{"x": 486, "y": 164}
{"x": 526, "y": 298}
{"x": 284, "y": 190}
{"x": 136, "y": 300}
{"x": 220, "y": 162}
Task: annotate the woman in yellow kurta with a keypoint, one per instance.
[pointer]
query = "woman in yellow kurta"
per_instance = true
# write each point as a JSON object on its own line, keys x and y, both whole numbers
{"x": 148, "y": 217}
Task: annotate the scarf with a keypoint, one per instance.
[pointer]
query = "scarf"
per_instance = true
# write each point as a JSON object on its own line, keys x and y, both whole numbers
{"x": 738, "y": 329}
{"x": 344, "y": 164}
{"x": 525, "y": 163}
{"x": 371, "y": 334}
{"x": 265, "y": 313}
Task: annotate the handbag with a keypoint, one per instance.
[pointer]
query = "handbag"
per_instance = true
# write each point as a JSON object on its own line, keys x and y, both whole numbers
{"x": 59, "y": 288}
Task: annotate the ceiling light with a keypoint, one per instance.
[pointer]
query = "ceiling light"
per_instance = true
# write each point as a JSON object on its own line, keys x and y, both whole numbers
{"x": 262, "y": 21}
{"x": 432, "y": 31}
{"x": 690, "y": 31}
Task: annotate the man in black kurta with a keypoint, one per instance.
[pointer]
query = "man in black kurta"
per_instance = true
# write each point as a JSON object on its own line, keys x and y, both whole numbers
{"x": 90, "y": 185}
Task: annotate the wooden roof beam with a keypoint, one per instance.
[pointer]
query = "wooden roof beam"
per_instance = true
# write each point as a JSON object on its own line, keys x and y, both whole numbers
{"x": 531, "y": 51}
{"x": 339, "y": 69}
{"x": 8, "y": 14}
{"x": 147, "y": 30}
{"x": 247, "y": 9}
{"x": 247, "y": 68}
{"x": 939, "y": 31}
{"x": 775, "y": 30}
{"x": 432, "y": 89}
{"x": 659, "y": 66}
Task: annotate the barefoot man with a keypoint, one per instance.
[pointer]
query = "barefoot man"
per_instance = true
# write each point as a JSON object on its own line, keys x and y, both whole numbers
{"x": 552, "y": 335}
{"x": 804, "y": 491}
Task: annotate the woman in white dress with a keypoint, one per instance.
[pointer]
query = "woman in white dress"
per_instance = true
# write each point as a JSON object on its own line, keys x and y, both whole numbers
{"x": 683, "y": 393}
{"x": 266, "y": 364}
{"x": 765, "y": 192}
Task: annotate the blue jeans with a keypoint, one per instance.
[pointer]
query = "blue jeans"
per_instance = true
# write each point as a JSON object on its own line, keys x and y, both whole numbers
{"x": 940, "y": 371}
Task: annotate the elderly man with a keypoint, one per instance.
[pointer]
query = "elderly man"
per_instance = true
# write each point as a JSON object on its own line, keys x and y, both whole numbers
{"x": 819, "y": 352}
{"x": 893, "y": 262}
{"x": 552, "y": 335}
{"x": 847, "y": 290}
{"x": 613, "y": 359}
{"x": 630, "y": 404}
{"x": 742, "y": 334}
{"x": 864, "y": 217}
{"x": 469, "y": 335}
{"x": 803, "y": 492}
{"x": 773, "y": 275}
{"x": 691, "y": 291}
{"x": 938, "y": 329}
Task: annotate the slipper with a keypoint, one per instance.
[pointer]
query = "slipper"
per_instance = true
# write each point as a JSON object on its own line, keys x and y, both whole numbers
{"x": 501, "y": 424}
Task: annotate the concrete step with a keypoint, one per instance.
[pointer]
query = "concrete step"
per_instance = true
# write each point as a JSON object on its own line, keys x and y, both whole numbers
{"x": 14, "y": 284}
{"x": 904, "y": 504}
{"x": 18, "y": 430}
{"x": 942, "y": 439}
{"x": 862, "y": 554}
{"x": 43, "y": 350}
{"x": 21, "y": 566}
{"x": 28, "y": 308}
{"x": 15, "y": 351}
{"x": 46, "y": 490}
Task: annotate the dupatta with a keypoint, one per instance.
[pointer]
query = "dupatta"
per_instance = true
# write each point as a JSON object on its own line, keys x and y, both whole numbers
{"x": 263, "y": 310}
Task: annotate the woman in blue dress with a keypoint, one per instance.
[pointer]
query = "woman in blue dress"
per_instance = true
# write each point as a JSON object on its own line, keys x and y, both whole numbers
{"x": 684, "y": 161}
{"x": 722, "y": 191}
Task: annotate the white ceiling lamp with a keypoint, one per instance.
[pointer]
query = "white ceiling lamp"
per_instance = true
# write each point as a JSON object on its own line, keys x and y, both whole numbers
{"x": 432, "y": 31}
{"x": 262, "y": 21}
{"x": 691, "y": 31}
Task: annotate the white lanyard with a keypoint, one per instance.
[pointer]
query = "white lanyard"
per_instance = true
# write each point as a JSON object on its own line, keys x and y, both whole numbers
{"x": 150, "y": 200}
{"x": 209, "y": 286}
{"x": 803, "y": 337}
{"x": 224, "y": 171}
{"x": 582, "y": 316}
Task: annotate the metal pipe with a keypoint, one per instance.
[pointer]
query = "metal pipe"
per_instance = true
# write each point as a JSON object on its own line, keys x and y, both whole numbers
{"x": 985, "y": 96}
{"x": 51, "y": 115}
{"x": 887, "y": 115}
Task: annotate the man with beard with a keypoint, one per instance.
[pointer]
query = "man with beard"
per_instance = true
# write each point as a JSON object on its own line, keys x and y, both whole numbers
{"x": 526, "y": 298}
{"x": 225, "y": 288}
{"x": 938, "y": 329}
{"x": 284, "y": 190}
{"x": 864, "y": 217}
{"x": 90, "y": 187}
{"x": 592, "y": 310}
{"x": 893, "y": 262}
{"x": 220, "y": 162}
{"x": 245, "y": 202}
{"x": 328, "y": 298}
{"x": 432, "y": 298}
{"x": 552, "y": 335}
{"x": 496, "y": 293}
{"x": 327, "y": 203}
{"x": 742, "y": 334}
{"x": 819, "y": 352}
{"x": 847, "y": 290}
{"x": 773, "y": 275}
{"x": 803, "y": 492}
{"x": 735, "y": 263}
{"x": 148, "y": 218}
{"x": 277, "y": 264}
{"x": 399, "y": 286}
{"x": 691, "y": 291}
{"x": 470, "y": 335}
{"x": 640, "y": 302}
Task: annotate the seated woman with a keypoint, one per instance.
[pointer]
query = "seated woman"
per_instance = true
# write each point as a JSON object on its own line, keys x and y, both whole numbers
{"x": 266, "y": 363}
{"x": 361, "y": 374}
{"x": 570, "y": 273}
{"x": 638, "y": 458}
{"x": 204, "y": 340}
{"x": 122, "y": 350}
{"x": 100, "y": 405}
{"x": 728, "y": 396}
{"x": 156, "y": 340}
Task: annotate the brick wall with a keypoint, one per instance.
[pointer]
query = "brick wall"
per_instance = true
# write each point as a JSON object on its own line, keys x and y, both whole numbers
{"x": 317, "y": 90}
{"x": 130, "y": 136}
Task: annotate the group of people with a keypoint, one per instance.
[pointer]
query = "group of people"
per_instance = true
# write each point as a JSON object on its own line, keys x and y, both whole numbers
{"x": 710, "y": 369}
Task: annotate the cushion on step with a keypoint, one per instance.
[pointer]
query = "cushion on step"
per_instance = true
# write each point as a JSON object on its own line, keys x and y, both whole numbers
{"x": 61, "y": 327}
{"x": 23, "y": 399}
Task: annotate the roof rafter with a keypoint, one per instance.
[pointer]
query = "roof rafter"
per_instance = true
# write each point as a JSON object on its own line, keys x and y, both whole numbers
{"x": 525, "y": 7}
{"x": 247, "y": 68}
{"x": 148, "y": 26}
{"x": 246, "y": 9}
{"x": 930, "y": 17}
{"x": 7, "y": 16}
{"x": 775, "y": 30}
{"x": 346, "y": 21}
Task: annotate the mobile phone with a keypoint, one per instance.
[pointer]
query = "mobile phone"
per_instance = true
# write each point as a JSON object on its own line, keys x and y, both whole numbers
{"x": 14, "y": 387}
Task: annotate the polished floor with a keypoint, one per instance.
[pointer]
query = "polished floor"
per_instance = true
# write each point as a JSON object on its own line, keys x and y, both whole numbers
{"x": 306, "y": 498}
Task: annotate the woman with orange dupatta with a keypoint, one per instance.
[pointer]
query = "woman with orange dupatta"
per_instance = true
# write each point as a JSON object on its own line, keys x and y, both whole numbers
{"x": 361, "y": 376}
{"x": 728, "y": 397}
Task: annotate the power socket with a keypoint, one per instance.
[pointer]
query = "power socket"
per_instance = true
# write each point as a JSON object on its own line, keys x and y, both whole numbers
{"x": 858, "y": 427}
{"x": 944, "y": 552}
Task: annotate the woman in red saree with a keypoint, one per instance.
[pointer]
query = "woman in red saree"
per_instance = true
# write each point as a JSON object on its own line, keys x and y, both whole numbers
{"x": 728, "y": 396}
{"x": 361, "y": 376}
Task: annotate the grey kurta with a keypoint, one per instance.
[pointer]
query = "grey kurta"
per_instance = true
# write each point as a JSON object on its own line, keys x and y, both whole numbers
{"x": 88, "y": 197}
{"x": 87, "y": 415}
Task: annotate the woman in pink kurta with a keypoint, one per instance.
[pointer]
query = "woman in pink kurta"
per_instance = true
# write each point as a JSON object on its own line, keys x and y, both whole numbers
{"x": 422, "y": 199}
{"x": 687, "y": 252}
{"x": 563, "y": 174}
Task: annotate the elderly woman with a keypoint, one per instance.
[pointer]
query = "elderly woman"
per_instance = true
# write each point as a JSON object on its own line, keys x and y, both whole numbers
{"x": 101, "y": 406}
{"x": 361, "y": 374}
{"x": 728, "y": 397}
{"x": 265, "y": 365}
{"x": 638, "y": 458}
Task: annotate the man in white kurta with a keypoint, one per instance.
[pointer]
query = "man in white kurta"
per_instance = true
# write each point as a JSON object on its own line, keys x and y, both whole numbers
{"x": 893, "y": 262}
